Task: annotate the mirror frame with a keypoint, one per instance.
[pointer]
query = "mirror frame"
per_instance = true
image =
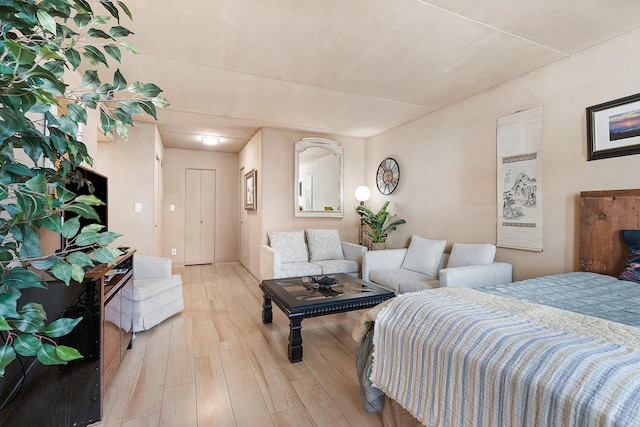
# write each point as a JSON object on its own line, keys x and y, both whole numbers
{"x": 334, "y": 148}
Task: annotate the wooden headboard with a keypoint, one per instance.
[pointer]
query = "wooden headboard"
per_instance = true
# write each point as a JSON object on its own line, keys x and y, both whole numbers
{"x": 602, "y": 215}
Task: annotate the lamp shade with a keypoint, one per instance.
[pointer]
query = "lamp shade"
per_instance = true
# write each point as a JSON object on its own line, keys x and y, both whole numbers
{"x": 363, "y": 193}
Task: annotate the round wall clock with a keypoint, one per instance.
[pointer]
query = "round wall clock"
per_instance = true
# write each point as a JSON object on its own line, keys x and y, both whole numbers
{"x": 388, "y": 176}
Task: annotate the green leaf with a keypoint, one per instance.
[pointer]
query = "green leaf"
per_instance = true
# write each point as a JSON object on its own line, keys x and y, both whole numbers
{"x": 73, "y": 57}
{"x": 68, "y": 126}
{"x": 125, "y": 9}
{"x": 89, "y": 199}
{"x": 104, "y": 255}
{"x": 92, "y": 228}
{"x": 47, "y": 355}
{"x": 86, "y": 239}
{"x": 46, "y": 21}
{"x": 44, "y": 264}
{"x": 113, "y": 51}
{"x": 62, "y": 271}
{"x": 150, "y": 90}
{"x": 77, "y": 113}
{"x": 94, "y": 56}
{"x": 129, "y": 48}
{"x": 107, "y": 237}
{"x": 67, "y": 353}
{"x": 160, "y": 102}
{"x": 9, "y": 303}
{"x": 106, "y": 121}
{"x": 118, "y": 31}
{"x": 97, "y": 33}
{"x": 100, "y": 20}
{"x": 4, "y": 325}
{"x": 84, "y": 211}
{"x": 77, "y": 273}
{"x": 122, "y": 115}
{"x": 21, "y": 278}
{"x": 110, "y": 8}
{"x": 119, "y": 82}
{"x": 70, "y": 227}
{"x": 90, "y": 79}
{"x": 61, "y": 327}
{"x": 148, "y": 107}
{"x": 7, "y": 355}
{"x": 130, "y": 106}
{"x": 82, "y": 19}
{"x": 122, "y": 130}
{"x": 21, "y": 54}
{"x": 79, "y": 258}
{"x": 27, "y": 345}
{"x": 37, "y": 184}
{"x": 31, "y": 319}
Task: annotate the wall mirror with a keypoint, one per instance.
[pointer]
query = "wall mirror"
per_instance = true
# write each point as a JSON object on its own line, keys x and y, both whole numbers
{"x": 318, "y": 178}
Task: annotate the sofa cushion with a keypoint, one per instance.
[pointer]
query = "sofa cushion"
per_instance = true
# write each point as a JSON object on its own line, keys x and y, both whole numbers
{"x": 290, "y": 244}
{"x": 333, "y": 266}
{"x": 423, "y": 255}
{"x": 463, "y": 254}
{"x": 324, "y": 245}
{"x": 295, "y": 269}
{"x": 392, "y": 278}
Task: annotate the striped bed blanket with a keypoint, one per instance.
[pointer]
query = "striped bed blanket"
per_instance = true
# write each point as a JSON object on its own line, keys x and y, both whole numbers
{"x": 460, "y": 357}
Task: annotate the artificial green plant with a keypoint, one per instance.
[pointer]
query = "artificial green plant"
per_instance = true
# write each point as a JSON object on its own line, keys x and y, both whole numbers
{"x": 40, "y": 42}
{"x": 379, "y": 224}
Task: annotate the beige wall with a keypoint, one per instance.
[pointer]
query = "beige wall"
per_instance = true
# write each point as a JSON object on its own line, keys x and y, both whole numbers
{"x": 250, "y": 220}
{"x": 271, "y": 152}
{"x": 129, "y": 165}
{"x": 176, "y": 161}
{"x": 448, "y": 158}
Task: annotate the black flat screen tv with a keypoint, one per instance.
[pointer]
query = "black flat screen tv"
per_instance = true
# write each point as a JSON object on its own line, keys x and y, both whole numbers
{"x": 92, "y": 183}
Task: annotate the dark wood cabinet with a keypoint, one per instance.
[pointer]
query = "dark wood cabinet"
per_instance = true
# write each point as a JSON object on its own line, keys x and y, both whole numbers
{"x": 65, "y": 395}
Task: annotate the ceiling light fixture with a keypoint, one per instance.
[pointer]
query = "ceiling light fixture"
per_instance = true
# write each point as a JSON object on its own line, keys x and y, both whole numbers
{"x": 210, "y": 140}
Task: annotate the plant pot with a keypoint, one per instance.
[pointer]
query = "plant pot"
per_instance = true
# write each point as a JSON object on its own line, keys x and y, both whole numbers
{"x": 377, "y": 246}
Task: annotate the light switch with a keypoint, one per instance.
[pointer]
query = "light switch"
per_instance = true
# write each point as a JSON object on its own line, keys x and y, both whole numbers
{"x": 172, "y": 208}
{"x": 138, "y": 207}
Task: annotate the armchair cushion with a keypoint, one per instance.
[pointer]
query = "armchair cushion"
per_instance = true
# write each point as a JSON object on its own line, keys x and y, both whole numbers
{"x": 423, "y": 255}
{"x": 324, "y": 245}
{"x": 464, "y": 254}
{"x": 290, "y": 245}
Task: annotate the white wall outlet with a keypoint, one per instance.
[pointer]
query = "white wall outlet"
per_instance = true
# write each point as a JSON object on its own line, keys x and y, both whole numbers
{"x": 137, "y": 207}
{"x": 174, "y": 251}
{"x": 172, "y": 208}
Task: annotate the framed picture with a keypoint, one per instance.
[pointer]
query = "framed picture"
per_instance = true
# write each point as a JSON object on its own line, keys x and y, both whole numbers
{"x": 613, "y": 128}
{"x": 250, "y": 190}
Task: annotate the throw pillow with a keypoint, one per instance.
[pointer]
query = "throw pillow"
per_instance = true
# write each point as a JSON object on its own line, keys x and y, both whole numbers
{"x": 423, "y": 255}
{"x": 632, "y": 270}
{"x": 324, "y": 245}
{"x": 631, "y": 239}
{"x": 463, "y": 254}
{"x": 290, "y": 244}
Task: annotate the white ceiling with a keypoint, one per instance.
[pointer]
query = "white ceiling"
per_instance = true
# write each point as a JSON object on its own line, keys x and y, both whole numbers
{"x": 348, "y": 67}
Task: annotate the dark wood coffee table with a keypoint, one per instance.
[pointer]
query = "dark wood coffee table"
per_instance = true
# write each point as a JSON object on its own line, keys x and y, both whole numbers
{"x": 299, "y": 298}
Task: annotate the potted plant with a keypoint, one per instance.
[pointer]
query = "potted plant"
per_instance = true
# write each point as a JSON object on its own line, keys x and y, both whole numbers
{"x": 380, "y": 224}
{"x": 40, "y": 116}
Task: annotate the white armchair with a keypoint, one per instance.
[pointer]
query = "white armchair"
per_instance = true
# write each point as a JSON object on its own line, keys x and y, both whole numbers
{"x": 157, "y": 294}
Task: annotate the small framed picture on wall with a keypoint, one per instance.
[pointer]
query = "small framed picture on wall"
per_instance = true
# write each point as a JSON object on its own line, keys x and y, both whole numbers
{"x": 613, "y": 128}
{"x": 250, "y": 202}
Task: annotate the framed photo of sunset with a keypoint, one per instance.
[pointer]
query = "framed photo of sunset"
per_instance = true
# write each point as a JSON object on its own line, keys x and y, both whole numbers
{"x": 613, "y": 128}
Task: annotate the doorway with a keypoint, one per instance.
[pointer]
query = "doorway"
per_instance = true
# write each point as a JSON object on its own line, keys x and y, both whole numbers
{"x": 200, "y": 196}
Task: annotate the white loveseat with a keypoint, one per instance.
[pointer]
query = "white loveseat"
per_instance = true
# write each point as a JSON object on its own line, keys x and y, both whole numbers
{"x": 425, "y": 265}
{"x": 308, "y": 253}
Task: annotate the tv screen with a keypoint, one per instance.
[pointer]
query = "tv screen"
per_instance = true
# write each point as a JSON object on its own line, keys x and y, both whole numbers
{"x": 92, "y": 183}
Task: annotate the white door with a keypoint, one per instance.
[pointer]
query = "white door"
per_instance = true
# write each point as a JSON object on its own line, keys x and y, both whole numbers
{"x": 200, "y": 216}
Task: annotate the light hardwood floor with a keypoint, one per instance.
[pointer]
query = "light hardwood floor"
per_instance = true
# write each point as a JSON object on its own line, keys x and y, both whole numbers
{"x": 216, "y": 364}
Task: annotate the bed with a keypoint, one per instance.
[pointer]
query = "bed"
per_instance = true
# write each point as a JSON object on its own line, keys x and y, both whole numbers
{"x": 555, "y": 350}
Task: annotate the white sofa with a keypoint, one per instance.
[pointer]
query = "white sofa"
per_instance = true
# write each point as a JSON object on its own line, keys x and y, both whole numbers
{"x": 308, "y": 253}
{"x": 157, "y": 293}
{"x": 425, "y": 265}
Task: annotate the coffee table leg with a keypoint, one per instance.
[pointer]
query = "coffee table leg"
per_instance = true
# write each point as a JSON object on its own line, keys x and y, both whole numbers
{"x": 267, "y": 313}
{"x": 295, "y": 337}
